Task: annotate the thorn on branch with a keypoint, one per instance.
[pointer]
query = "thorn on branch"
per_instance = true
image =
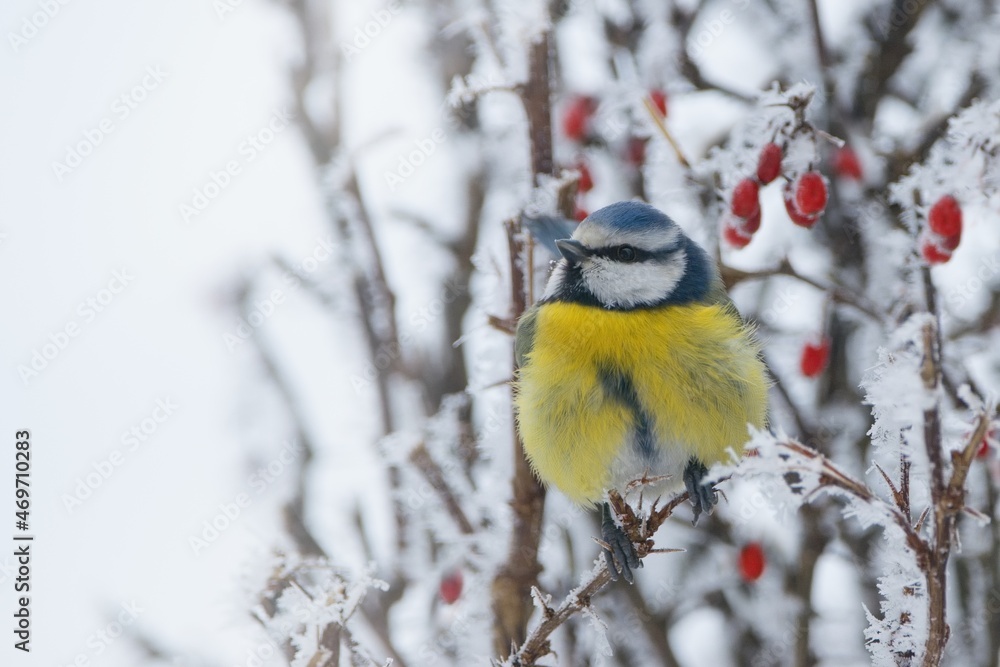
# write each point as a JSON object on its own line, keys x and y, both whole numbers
{"x": 578, "y": 600}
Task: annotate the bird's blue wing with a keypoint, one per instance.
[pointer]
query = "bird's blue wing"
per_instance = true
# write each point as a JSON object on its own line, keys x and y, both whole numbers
{"x": 547, "y": 229}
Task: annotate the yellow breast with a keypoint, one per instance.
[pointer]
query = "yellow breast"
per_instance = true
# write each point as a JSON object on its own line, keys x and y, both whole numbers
{"x": 694, "y": 368}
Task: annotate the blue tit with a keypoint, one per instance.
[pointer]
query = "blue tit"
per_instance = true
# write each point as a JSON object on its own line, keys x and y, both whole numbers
{"x": 634, "y": 363}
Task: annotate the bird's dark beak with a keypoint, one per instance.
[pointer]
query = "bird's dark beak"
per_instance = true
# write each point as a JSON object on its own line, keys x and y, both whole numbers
{"x": 574, "y": 251}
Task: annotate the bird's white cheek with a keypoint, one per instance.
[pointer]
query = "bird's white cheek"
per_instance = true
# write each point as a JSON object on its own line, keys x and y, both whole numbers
{"x": 627, "y": 285}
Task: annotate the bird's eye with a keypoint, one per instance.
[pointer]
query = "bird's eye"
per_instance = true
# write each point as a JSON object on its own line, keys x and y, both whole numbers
{"x": 626, "y": 253}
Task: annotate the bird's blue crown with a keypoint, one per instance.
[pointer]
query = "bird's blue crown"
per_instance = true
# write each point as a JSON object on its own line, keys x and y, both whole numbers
{"x": 632, "y": 216}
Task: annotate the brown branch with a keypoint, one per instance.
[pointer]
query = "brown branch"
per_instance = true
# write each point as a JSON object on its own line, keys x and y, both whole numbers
{"x": 947, "y": 492}
{"x": 382, "y": 295}
{"x": 936, "y": 566}
{"x": 380, "y": 333}
{"x": 432, "y": 472}
{"x": 662, "y": 127}
{"x": 375, "y": 615}
{"x": 654, "y": 625}
{"x": 831, "y": 111}
{"x": 322, "y": 142}
{"x": 683, "y": 21}
{"x": 822, "y": 55}
{"x": 991, "y": 559}
{"x": 641, "y": 532}
{"x": 837, "y": 293}
{"x": 293, "y": 510}
{"x": 537, "y": 644}
{"x": 519, "y": 574}
{"x": 904, "y": 485}
{"x": 805, "y": 432}
{"x": 536, "y": 96}
{"x": 885, "y": 59}
{"x": 899, "y": 163}
{"x": 814, "y": 542}
{"x": 832, "y": 476}
{"x": 311, "y": 286}
{"x": 330, "y": 642}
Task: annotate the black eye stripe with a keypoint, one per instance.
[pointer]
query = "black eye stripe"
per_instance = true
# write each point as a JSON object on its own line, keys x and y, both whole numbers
{"x": 638, "y": 254}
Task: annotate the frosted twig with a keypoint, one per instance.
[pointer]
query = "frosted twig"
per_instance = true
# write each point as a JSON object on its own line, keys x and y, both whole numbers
{"x": 432, "y": 472}
{"x": 514, "y": 579}
{"x": 640, "y": 531}
{"x": 662, "y": 127}
{"x": 838, "y": 293}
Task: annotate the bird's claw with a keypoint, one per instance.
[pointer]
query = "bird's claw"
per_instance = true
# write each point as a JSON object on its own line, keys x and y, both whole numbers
{"x": 619, "y": 552}
{"x": 703, "y": 495}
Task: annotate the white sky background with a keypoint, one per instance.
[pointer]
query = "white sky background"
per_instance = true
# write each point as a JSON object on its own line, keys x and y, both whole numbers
{"x": 162, "y": 336}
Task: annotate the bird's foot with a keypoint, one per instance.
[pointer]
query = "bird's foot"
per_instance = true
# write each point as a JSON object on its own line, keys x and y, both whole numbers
{"x": 702, "y": 493}
{"x": 619, "y": 552}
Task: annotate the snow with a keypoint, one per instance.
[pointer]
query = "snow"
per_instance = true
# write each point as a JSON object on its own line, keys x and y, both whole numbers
{"x": 123, "y": 119}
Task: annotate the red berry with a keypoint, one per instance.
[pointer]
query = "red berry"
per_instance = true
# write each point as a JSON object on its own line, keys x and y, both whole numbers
{"x": 576, "y": 117}
{"x": 450, "y": 588}
{"x": 983, "y": 450}
{"x": 752, "y": 561}
{"x": 735, "y": 236}
{"x": 746, "y": 198}
{"x": 945, "y": 218}
{"x": 659, "y": 100}
{"x": 949, "y": 243}
{"x": 796, "y": 216}
{"x": 580, "y": 214}
{"x": 586, "y": 182}
{"x": 846, "y": 163}
{"x": 769, "y": 165}
{"x": 810, "y": 193}
{"x": 815, "y": 355}
{"x": 752, "y": 224}
{"x": 934, "y": 254}
{"x": 635, "y": 151}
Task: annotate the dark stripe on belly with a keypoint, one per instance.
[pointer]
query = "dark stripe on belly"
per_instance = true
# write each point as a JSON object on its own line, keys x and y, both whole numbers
{"x": 618, "y": 387}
